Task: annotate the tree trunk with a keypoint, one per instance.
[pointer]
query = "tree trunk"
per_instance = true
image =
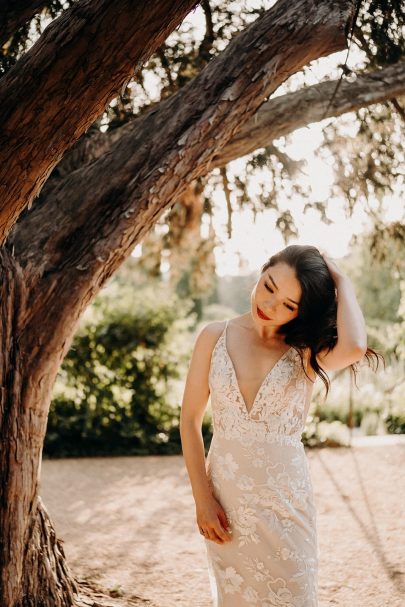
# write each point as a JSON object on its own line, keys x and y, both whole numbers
{"x": 46, "y": 581}
{"x": 32, "y": 568}
{"x": 185, "y": 230}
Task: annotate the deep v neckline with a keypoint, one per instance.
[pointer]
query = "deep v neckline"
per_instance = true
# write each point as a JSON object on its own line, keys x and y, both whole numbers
{"x": 249, "y": 411}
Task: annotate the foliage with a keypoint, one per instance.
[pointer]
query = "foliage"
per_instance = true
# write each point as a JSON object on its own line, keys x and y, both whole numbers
{"x": 367, "y": 153}
{"x": 395, "y": 420}
{"x": 377, "y": 32}
{"x": 388, "y": 252}
{"x": 113, "y": 392}
{"x": 377, "y": 403}
{"x": 320, "y": 433}
{"x": 381, "y": 291}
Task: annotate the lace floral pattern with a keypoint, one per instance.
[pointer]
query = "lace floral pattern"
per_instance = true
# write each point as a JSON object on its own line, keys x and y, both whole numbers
{"x": 258, "y": 470}
{"x": 277, "y": 413}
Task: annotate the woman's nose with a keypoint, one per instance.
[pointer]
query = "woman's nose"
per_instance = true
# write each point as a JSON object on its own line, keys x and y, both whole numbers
{"x": 269, "y": 307}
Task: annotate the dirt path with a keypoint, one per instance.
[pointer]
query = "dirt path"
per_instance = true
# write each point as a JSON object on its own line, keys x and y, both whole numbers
{"x": 128, "y": 524}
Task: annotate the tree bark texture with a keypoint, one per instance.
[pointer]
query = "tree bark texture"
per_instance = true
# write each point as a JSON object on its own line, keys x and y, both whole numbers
{"x": 64, "y": 82}
{"x": 32, "y": 569}
{"x": 64, "y": 249}
{"x": 29, "y": 370}
{"x": 275, "y": 118}
{"x": 287, "y": 113}
{"x": 47, "y": 580}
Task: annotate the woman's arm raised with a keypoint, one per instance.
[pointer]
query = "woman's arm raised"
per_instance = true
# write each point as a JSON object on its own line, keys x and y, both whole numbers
{"x": 351, "y": 342}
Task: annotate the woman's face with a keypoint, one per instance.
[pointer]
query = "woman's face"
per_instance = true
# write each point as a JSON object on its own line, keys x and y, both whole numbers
{"x": 276, "y": 295}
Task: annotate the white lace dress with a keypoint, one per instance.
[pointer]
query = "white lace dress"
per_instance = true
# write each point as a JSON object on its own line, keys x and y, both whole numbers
{"x": 258, "y": 470}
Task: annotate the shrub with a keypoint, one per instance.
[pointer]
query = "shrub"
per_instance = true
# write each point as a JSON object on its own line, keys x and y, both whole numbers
{"x": 113, "y": 393}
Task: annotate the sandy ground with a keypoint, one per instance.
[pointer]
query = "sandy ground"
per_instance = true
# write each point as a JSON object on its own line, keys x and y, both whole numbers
{"x": 128, "y": 525}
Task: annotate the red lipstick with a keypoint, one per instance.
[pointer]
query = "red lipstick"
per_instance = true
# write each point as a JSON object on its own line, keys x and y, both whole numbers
{"x": 262, "y": 314}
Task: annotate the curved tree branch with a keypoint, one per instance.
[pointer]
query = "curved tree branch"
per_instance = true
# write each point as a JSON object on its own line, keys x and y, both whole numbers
{"x": 63, "y": 83}
{"x": 287, "y": 113}
{"x": 76, "y": 239}
{"x": 275, "y": 118}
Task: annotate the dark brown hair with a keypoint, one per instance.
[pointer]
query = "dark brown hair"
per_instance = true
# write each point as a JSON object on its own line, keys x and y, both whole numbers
{"x": 315, "y": 326}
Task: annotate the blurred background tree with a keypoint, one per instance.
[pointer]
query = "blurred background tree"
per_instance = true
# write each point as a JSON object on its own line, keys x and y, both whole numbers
{"x": 113, "y": 393}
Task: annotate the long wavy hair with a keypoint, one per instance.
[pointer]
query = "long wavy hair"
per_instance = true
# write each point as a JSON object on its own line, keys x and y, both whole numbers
{"x": 315, "y": 326}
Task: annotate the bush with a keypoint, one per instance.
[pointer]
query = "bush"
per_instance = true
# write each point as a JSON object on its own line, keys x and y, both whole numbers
{"x": 395, "y": 424}
{"x": 113, "y": 393}
{"x": 319, "y": 433}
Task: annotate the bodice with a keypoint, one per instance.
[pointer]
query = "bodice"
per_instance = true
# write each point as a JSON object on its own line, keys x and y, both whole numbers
{"x": 279, "y": 408}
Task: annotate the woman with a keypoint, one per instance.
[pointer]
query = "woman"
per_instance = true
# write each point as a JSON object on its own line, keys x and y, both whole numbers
{"x": 254, "y": 496}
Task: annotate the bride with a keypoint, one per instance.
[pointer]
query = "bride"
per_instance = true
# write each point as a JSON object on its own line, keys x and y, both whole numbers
{"x": 254, "y": 495}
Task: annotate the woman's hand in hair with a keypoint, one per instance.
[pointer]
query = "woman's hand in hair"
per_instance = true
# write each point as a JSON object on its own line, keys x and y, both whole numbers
{"x": 335, "y": 272}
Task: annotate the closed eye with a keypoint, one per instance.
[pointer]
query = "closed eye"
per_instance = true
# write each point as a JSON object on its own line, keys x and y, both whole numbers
{"x": 271, "y": 291}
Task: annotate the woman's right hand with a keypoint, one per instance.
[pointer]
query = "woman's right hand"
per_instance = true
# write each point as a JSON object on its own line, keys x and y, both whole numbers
{"x": 211, "y": 519}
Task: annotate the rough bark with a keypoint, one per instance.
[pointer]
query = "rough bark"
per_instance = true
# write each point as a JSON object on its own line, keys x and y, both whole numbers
{"x": 28, "y": 369}
{"x": 46, "y": 574}
{"x": 26, "y": 383}
{"x": 284, "y": 114}
{"x": 275, "y": 118}
{"x": 63, "y": 83}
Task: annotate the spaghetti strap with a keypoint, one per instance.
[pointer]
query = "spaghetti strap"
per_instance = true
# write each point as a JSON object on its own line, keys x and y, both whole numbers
{"x": 224, "y": 332}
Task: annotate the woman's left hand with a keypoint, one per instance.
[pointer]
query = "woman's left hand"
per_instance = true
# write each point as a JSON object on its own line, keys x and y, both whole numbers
{"x": 336, "y": 273}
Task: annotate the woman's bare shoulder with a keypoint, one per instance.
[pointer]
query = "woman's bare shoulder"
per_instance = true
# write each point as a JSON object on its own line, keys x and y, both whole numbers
{"x": 204, "y": 343}
{"x": 209, "y": 333}
{"x": 215, "y": 328}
